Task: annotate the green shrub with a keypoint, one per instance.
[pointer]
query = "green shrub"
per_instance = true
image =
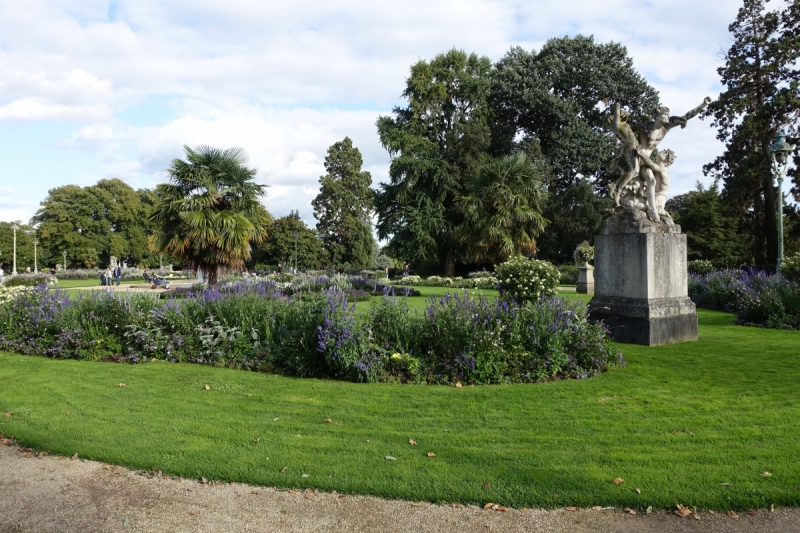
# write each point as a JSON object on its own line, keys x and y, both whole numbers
{"x": 526, "y": 280}
{"x": 568, "y": 274}
{"x": 29, "y": 280}
{"x": 790, "y": 268}
{"x": 700, "y": 266}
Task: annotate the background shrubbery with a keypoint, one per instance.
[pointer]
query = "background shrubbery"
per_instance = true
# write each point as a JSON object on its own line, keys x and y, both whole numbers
{"x": 527, "y": 280}
{"x": 255, "y": 325}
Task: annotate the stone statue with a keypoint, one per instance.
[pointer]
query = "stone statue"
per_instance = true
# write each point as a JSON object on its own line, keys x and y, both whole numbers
{"x": 644, "y": 183}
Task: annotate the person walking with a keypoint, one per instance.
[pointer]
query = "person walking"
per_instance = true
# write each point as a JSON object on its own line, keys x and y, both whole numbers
{"x": 117, "y": 274}
{"x": 107, "y": 277}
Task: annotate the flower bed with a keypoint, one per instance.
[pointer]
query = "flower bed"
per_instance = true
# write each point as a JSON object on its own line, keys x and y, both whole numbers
{"x": 477, "y": 282}
{"x": 255, "y": 325}
{"x": 755, "y": 297}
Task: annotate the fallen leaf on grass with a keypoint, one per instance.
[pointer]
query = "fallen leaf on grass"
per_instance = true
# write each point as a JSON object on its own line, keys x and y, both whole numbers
{"x": 73, "y": 457}
{"x": 390, "y": 458}
{"x": 766, "y": 474}
{"x": 638, "y": 490}
{"x": 455, "y": 506}
{"x": 275, "y": 419}
{"x": 304, "y": 475}
{"x": 629, "y": 510}
{"x": 203, "y": 480}
{"x": 597, "y": 508}
{"x": 618, "y": 480}
{"x": 367, "y": 440}
{"x": 501, "y": 509}
{"x": 8, "y": 414}
{"x": 487, "y": 485}
{"x": 458, "y": 384}
{"x": 732, "y": 514}
{"x": 122, "y": 385}
{"x": 488, "y": 506}
{"x": 412, "y": 442}
{"x": 284, "y": 469}
{"x": 682, "y": 511}
{"x": 431, "y": 454}
{"x": 256, "y": 439}
{"x": 725, "y": 484}
{"x": 207, "y": 387}
{"x": 61, "y": 458}
{"x": 293, "y": 492}
{"x": 649, "y": 509}
{"x": 772, "y": 508}
{"x": 573, "y": 509}
{"x": 106, "y": 467}
{"x": 696, "y": 516}
{"x": 751, "y": 512}
{"x": 328, "y": 421}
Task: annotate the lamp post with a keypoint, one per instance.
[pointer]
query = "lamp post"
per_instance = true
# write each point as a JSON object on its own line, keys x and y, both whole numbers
{"x": 64, "y": 253}
{"x": 35, "y": 259}
{"x": 779, "y": 152}
{"x": 15, "y": 227}
{"x": 295, "y": 251}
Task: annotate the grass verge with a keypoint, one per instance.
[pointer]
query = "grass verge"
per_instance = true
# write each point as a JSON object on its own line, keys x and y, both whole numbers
{"x": 695, "y": 423}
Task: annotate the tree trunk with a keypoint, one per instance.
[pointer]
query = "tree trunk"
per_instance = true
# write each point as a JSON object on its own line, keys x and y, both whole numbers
{"x": 770, "y": 213}
{"x": 450, "y": 258}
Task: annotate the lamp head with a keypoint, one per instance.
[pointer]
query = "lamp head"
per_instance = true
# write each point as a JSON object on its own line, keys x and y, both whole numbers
{"x": 15, "y": 226}
{"x": 780, "y": 148}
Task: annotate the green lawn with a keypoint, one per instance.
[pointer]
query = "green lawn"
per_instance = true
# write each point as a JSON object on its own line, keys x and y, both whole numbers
{"x": 694, "y": 423}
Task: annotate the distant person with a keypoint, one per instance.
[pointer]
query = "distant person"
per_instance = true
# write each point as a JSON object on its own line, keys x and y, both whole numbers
{"x": 118, "y": 274}
{"x": 27, "y": 270}
{"x": 405, "y": 270}
{"x": 1, "y": 272}
{"x": 106, "y": 281}
{"x": 53, "y": 271}
{"x": 386, "y": 270}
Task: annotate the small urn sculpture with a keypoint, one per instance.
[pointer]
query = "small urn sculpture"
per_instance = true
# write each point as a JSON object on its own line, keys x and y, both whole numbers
{"x": 582, "y": 255}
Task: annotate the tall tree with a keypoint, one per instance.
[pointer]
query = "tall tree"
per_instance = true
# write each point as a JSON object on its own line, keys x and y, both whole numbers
{"x": 503, "y": 209}
{"x": 279, "y": 247}
{"x": 759, "y": 97}
{"x": 344, "y": 206}
{"x": 435, "y": 142}
{"x": 210, "y": 211}
{"x": 558, "y": 98}
{"x": 710, "y": 232}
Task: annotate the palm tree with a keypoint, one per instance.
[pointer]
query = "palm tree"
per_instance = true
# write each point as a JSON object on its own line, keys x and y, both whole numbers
{"x": 209, "y": 212}
{"x": 502, "y": 212}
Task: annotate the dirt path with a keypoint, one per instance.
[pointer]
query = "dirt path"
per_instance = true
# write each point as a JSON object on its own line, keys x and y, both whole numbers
{"x": 57, "y": 494}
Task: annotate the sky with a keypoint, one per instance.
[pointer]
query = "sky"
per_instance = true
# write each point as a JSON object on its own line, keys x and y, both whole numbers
{"x": 93, "y": 89}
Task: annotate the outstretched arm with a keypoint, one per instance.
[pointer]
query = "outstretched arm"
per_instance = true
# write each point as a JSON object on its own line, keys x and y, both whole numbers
{"x": 695, "y": 111}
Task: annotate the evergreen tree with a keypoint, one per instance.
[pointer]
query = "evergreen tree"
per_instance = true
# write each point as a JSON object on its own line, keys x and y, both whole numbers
{"x": 760, "y": 96}
{"x": 710, "y": 233}
{"x": 344, "y": 205}
{"x": 435, "y": 142}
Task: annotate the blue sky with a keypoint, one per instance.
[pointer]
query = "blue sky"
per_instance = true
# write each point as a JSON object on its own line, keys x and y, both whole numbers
{"x": 95, "y": 89}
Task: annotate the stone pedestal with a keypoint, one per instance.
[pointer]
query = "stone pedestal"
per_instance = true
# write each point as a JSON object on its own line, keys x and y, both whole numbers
{"x": 585, "y": 280}
{"x": 641, "y": 291}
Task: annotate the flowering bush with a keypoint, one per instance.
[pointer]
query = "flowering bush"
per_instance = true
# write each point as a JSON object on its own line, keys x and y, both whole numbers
{"x": 409, "y": 280}
{"x": 476, "y": 282}
{"x": 8, "y": 293}
{"x": 526, "y": 280}
{"x": 583, "y": 254}
{"x": 254, "y": 325}
{"x": 790, "y": 268}
{"x": 29, "y": 280}
{"x": 754, "y": 296}
{"x": 700, "y": 266}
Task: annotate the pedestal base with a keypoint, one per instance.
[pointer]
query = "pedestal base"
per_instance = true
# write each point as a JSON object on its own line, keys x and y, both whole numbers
{"x": 585, "y": 283}
{"x": 649, "y": 322}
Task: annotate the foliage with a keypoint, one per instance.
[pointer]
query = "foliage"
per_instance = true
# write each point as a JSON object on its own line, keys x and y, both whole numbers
{"x": 8, "y": 293}
{"x": 790, "y": 268}
{"x": 558, "y": 97}
{"x": 710, "y": 233}
{"x": 472, "y": 282}
{"x": 435, "y": 142}
{"x": 210, "y": 211}
{"x": 583, "y": 254}
{"x": 279, "y": 246}
{"x": 761, "y": 94}
{"x": 93, "y": 223}
{"x": 344, "y": 206}
{"x": 526, "y": 280}
{"x": 503, "y": 208}
{"x": 29, "y": 280}
{"x": 25, "y": 236}
{"x": 700, "y": 266}
{"x": 754, "y": 296}
{"x": 567, "y": 274}
{"x": 256, "y": 325}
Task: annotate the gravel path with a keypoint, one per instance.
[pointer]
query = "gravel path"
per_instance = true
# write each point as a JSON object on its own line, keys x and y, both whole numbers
{"x": 40, "y": 494}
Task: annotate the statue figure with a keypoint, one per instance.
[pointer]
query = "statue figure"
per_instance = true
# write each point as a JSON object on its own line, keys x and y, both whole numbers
{"x": 639, "y": 143}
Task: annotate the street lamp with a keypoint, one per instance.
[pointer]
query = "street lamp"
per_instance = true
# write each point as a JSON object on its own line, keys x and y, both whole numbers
{"x": 295, "y": 251}
{"x": 779, "y": 151}
{"x": 35, "y": 260}
{"x": 15, "y": 227}
{"x": 64, "y": 253}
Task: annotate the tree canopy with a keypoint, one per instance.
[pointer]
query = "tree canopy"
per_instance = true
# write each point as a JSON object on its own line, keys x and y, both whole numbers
{"x": 279, "y": 247}
{"x": 210, "y": 211}
{"x": 344, "y": 206}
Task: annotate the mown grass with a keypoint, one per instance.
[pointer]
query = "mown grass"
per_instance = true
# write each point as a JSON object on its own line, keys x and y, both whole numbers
{"x": 694, "y": 423}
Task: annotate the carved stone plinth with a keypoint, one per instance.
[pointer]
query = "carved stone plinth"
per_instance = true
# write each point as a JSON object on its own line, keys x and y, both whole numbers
{"x": 585, "y": 280}
{"x": 641, "y": 291}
